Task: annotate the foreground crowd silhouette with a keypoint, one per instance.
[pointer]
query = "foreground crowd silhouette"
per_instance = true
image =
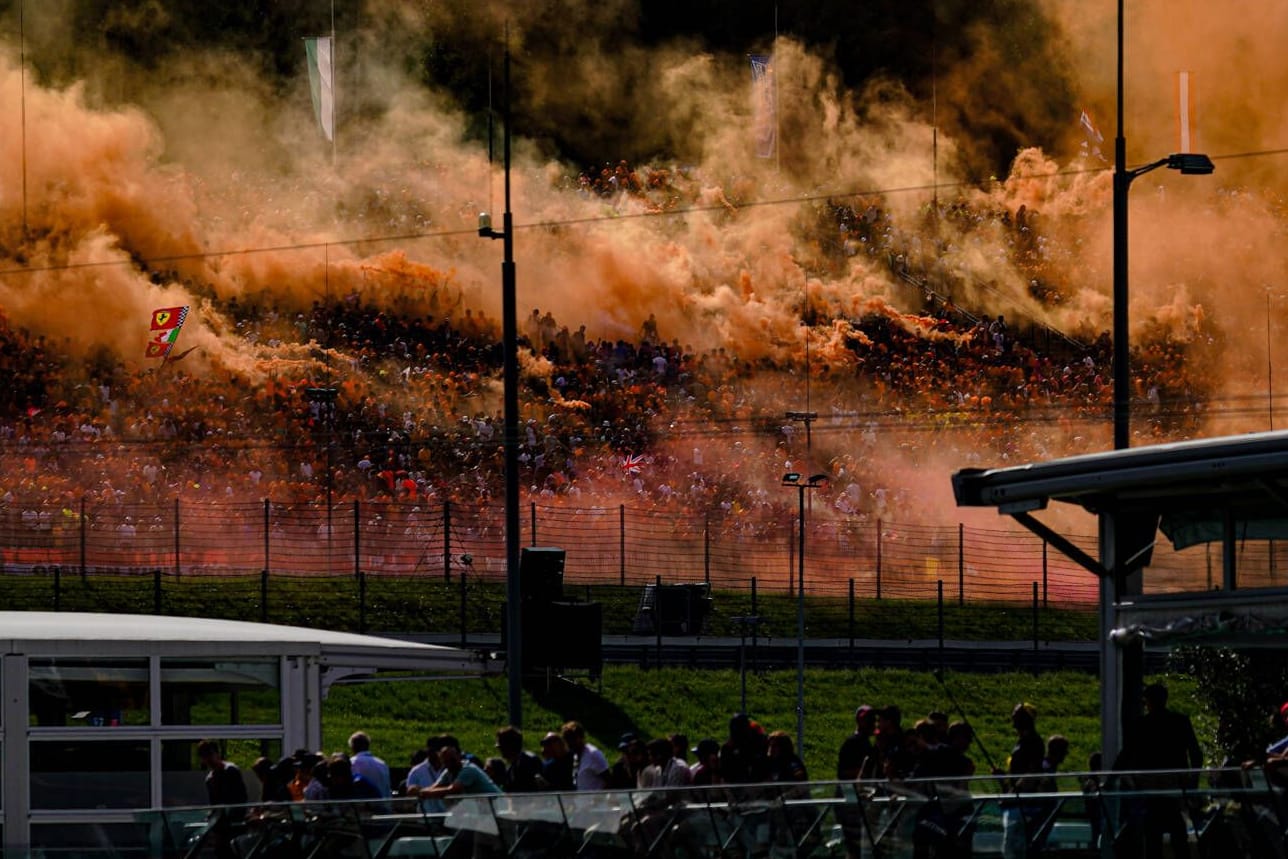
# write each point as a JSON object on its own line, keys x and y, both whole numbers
{"x": 1161, "y": 754}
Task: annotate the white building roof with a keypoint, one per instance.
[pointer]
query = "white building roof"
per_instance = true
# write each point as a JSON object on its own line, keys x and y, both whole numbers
{"x": 89, "y": 634}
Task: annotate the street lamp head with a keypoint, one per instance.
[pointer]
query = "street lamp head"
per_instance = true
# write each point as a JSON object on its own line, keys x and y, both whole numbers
{"x": 1191, "y": 163}
{"x": 791, "y": 478}
{"x": 816, "y": 479}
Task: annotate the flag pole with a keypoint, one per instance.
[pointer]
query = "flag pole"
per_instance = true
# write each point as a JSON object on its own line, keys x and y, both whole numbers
{"x": 335, "y": 126}
{"x": 22, "y": 98}
{"x": 778, "y": 123}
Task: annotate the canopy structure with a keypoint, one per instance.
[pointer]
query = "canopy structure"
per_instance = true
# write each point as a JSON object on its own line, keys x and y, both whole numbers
{"x": 1229, "y": 490}
{"x": 100, "y": 713}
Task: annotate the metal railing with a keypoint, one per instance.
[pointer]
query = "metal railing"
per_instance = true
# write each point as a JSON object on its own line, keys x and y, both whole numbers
{"x": 1224, "y": 813}
{"x": 622, "y": 545}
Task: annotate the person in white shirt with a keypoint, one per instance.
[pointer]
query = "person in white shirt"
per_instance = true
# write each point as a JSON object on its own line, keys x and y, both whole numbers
{"x": 664, "y": 768}
{"x": 425, "y": 774}
{"x": 591, "y": 772}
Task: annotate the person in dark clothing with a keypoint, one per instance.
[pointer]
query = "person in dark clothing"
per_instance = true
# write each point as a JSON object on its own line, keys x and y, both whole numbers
{"x": 522, "y": 773}
{"x": 856, "y": 750}
{"x": 344, "y": 784}
{"x": 624, "y": 775}
{"x": 224, "y": 787}
{"x": 744, "y": 756}
{"x": 706, "y": 767}
{"x": 556, "y": 762}
{"x": 945, "y": 826}
{"x": 1025, "y": 768}
{"x": 1163, "y": 739}
{"x": 274, "y": 779}
{"x": 941, "y": 760}
{"x": 784, "y": 764}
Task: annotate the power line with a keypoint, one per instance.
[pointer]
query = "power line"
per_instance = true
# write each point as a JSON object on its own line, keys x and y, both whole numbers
{"x": 150, "y": 262}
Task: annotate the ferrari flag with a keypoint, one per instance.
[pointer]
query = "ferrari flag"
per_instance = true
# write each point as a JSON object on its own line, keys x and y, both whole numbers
{"x": 166, "y": 324}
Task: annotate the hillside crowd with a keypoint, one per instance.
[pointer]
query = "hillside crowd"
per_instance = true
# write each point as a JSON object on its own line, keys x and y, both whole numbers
{"x": 390, "y": 407}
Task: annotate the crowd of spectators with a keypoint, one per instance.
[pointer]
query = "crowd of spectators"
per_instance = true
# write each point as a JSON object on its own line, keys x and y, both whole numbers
{"x": 393, "y": 405}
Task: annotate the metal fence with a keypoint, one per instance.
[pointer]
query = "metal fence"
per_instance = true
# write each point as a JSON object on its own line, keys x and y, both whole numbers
{"x": 619, "y": 545}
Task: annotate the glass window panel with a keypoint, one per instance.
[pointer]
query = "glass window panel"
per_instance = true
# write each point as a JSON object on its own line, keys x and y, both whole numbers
{"x": 183, "y": 780}
{"x": 89, "y": 774}
{"x": 91, "y": 839}
{"x": 88, "y": 692}
{"x": 220, "y": 692}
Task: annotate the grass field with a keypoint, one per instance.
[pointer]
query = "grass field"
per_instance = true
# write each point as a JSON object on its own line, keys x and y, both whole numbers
{"x": 654, "y": 703}
{"x": 650, "y": 703}
{"x": 430, "y": 604}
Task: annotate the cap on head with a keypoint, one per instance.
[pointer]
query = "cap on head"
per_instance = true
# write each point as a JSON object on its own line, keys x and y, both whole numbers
{"x": 626, "y": 740}
{"x": 706, "y": 747}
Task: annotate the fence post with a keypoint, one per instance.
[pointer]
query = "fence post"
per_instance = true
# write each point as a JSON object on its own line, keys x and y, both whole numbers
{"x": 706, "y": 549}
{"x": 1035, "y": 617}
{"x": 851, "y": 623}
{"x": 156, "y": 590}
{"x": 755, "y": 627}
{"x": 263, "y": 596}
{"x": 267, "y": 531}
{"x": 961, "y": 564}
{"x": 58, "y": 587}
{"x": 532, "y": 516}
{"x": 878, "y": 559}
{"x": 464, "y": 635}
{"x": 357, "y": 537}
{"x": 940, "y": 604}
{"x": 447, "y": 540}
{"x": 657, "y": 616}
{"x": 621, "y": 542}
{"x": 791, "y": 560}
{"x": 83, "y": 528}
{"x": 362, "y": 602}
{"x": 1044, "y": 573}
{"x": 176, "y": 539}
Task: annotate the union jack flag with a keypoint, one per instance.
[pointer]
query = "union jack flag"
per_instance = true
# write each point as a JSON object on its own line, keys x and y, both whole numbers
{"x": 633, "y": 463}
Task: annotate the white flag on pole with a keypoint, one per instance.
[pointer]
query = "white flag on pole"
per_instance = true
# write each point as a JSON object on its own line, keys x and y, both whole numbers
{"x": 1186, "y": 120}
{"x": 321, "y": 85}
{"x": 764, "y": 105}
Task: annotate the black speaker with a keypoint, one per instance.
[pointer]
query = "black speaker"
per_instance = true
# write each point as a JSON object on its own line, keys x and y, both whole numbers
{"x": 541, "y": 574}
{"x": 563, "y": 635}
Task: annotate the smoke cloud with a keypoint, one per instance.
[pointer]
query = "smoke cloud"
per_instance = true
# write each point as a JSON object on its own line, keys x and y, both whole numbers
{"x": 198, "y": 177}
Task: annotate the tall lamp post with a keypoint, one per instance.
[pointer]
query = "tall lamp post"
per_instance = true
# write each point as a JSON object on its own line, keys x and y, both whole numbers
{"x": 1122, "y": 669}
{"x": 510, "y": 396}
{"x": 793, "y": 478}
{"x": 1190, "y": 164}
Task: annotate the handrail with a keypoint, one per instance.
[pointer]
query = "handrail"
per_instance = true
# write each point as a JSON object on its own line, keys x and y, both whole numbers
{"x": 1227, "y": 811}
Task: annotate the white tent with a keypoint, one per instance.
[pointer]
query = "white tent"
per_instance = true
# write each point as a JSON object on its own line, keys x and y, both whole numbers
{"x": 101, "y": 712}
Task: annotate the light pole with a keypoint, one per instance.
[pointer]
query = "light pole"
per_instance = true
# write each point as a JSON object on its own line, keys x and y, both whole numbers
{"x": 793, "y": 478}
{"x": 1190, "y": 164}
{"x": 510, "y": 396}
{"x": 1122, "y": 669}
